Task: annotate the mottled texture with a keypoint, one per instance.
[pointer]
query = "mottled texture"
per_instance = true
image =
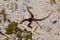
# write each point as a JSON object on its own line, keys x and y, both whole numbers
{"x": 15, "y": 10}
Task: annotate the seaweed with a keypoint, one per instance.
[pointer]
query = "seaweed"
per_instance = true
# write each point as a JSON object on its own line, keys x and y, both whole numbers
{"x": 52, "y": 2}
{"x": 12, "y": 27}
{"x": 27, "y": 35}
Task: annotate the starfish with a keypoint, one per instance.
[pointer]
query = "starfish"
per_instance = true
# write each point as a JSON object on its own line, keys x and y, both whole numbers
{"x": 32, "y": 18}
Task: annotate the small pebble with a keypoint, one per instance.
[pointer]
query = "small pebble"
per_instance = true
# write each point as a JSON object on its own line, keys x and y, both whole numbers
{"x": 54, "y": 21}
